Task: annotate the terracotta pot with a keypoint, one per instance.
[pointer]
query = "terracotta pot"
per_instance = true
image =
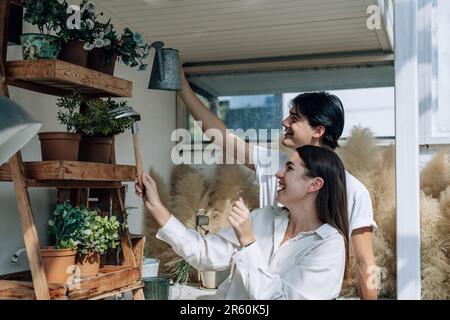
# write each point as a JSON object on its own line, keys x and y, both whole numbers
{"x": 95, "y": 62}
{"x": 89, "y": 264}
{"x": 59, "y": 145}
{"x": 58, "y": 264}
{"x": 95, "y": 149}
{"x": 73, "y": 52}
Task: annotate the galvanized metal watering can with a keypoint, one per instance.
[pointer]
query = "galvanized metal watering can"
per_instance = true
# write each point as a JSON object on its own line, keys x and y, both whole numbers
{"x": 166, "y": 68}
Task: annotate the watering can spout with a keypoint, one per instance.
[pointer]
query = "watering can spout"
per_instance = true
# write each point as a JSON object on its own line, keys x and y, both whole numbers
{"x": 166, "y": 68}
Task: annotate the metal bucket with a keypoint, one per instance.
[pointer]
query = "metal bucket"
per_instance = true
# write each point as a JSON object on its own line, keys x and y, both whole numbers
{"x": 166, "y": 69}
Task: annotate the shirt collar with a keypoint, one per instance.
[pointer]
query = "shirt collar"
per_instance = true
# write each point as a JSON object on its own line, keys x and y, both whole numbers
{"x": 325, "y": 230}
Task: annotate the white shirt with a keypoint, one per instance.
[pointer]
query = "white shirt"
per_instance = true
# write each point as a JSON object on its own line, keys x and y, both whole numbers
{"x": 308, "y": 266}
{"x": 267, "y": 162}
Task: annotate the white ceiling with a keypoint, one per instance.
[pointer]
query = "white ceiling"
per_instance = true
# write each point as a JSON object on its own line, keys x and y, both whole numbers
{"x": 216, "y": 30}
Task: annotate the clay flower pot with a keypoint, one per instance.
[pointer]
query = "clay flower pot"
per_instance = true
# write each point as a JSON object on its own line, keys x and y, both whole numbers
{"x": 59, "y": 145}
{"x": 73, "y": 52}
{"x": 89, "y": 264}
{"x": 95, "y": 62}
{"x": 95, "y": 149}
{"x": 59, "y": 264}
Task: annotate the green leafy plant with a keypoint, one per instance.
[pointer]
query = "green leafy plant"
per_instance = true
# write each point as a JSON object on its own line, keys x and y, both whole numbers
{"x": 98, "y": 233}
{"x": 45, "y": 14}
{"x": 98, "y": 118}
{"x": 130, "y": 47}
{"x": 86, "y": 29}
{"x": 65, "y": 224}
{"x": 179, "y": 270}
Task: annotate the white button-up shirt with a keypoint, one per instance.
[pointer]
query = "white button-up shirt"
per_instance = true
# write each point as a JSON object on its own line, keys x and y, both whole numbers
{"x": 308, "y": 266}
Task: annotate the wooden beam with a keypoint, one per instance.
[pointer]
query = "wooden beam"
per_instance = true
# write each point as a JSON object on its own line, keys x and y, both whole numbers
{"x": 29, "y": 229}
{"x": 98, "y": 285}
{"x": 4, "y": 21}
{"x": 61, "y": 78}
{"x": 407, "y": 150}
{"x": 24, "y": 290}
{"x": 307, "y": 62}
{"x": 72, "y": 170}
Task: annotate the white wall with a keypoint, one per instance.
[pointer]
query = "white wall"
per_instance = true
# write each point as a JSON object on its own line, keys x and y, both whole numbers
{"x": 157, "y": 109}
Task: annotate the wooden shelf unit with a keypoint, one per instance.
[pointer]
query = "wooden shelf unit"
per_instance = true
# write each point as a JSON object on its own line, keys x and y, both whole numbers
{"x": 61, "y": 78}
{"x": 65, "y": 171}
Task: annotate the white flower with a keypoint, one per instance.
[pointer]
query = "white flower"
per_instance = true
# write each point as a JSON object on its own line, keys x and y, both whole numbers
{"x": 88, "y": 46}
{"x": 99, "y": 43}
{"x": 87, "y": 232}
{"x": 101, "y": 35}
{"x": 90, "y": 24}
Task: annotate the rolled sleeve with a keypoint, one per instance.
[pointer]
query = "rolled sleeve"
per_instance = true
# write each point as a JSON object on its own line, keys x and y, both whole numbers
{"x": 209, "y": 253}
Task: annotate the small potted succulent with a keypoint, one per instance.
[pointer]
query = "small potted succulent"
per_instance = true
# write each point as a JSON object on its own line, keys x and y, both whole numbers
{"x": 47, "y": 16}
{"x": 97, "y": 236}
{"x": 75, "y": 37}
{"x": 107, "y": 46}
{"x": 97, "y": 125}
{"x": 64, "y": 226}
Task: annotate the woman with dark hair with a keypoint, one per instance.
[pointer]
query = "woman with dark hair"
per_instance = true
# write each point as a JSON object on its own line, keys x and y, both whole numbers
{"x": 315, "y": 118}
{"x": 299, "y": 251}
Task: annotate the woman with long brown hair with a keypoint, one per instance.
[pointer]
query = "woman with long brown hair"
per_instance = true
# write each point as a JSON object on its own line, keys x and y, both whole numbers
{"x": 299, "y": 251}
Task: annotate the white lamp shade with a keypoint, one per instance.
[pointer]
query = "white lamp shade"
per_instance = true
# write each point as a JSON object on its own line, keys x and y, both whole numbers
{"x": 16, "y": 128}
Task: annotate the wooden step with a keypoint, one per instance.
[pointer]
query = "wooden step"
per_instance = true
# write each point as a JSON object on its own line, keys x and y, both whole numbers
{"x": 73, "y": 174}
{"x": 111, "y": 280}
{"x": 61, "y": 78}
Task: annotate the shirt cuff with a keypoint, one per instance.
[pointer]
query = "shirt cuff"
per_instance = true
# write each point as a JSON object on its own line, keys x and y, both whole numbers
{"x": 249, "y": 258}
{"x": 363, "y": 224}
{"x": 172, "y": 232}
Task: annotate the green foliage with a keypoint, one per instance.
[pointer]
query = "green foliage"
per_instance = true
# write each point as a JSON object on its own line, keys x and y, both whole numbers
{"x": 47, "y": 15}
{"x": 88, "y": 20}
{"x": 130, "y": 47}
{"x": 65, "y": 224}
{"x": 98, "y": 118}
{"x": 98, "y": 233}
{"x": 179, "y": 270}
{"x": 83, "y": 229}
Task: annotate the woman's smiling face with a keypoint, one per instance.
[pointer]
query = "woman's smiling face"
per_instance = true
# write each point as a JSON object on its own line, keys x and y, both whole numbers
{"x": 293, "y": 182}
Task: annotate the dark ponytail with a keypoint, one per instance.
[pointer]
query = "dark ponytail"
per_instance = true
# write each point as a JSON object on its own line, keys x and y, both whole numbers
{"x": 332, "y": 198}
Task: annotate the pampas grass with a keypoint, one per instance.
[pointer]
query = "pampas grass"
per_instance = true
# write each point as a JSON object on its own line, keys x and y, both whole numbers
{"x": 191, "y": 191}
{"x": 375, "y": 168}
{"x": 435, "y": 177}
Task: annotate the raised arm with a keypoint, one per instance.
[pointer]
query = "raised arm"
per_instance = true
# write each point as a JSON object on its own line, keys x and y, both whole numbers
{"x": 230, "y": 143}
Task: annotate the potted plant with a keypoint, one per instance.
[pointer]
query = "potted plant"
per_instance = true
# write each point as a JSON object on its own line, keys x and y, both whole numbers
{"x": 98, "y": 235}
{"x": 46, "y": 15}
{"x": 64, "y": 145}
{"x": 74, "y": 49}
{"x": 64, "y": 225}
{"x": 107, "y": 47}
{"x": 97, "y": 125}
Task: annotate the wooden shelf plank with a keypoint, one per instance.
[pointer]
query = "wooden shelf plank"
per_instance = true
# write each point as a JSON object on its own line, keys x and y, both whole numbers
{"x": 24, "y": 290}
{"x": 60, "y": 78}
{"x": 105, "y": 282}
{"x": 77, "y": 172}
{"x": 111, "y": 280}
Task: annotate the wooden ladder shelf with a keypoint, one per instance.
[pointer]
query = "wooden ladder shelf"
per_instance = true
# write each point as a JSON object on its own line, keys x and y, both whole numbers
{"x": 61, "y": 78}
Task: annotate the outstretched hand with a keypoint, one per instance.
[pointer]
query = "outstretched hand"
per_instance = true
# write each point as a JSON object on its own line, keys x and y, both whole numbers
{"x": 151, "y": 199}
{"x": 240, "y": 220}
